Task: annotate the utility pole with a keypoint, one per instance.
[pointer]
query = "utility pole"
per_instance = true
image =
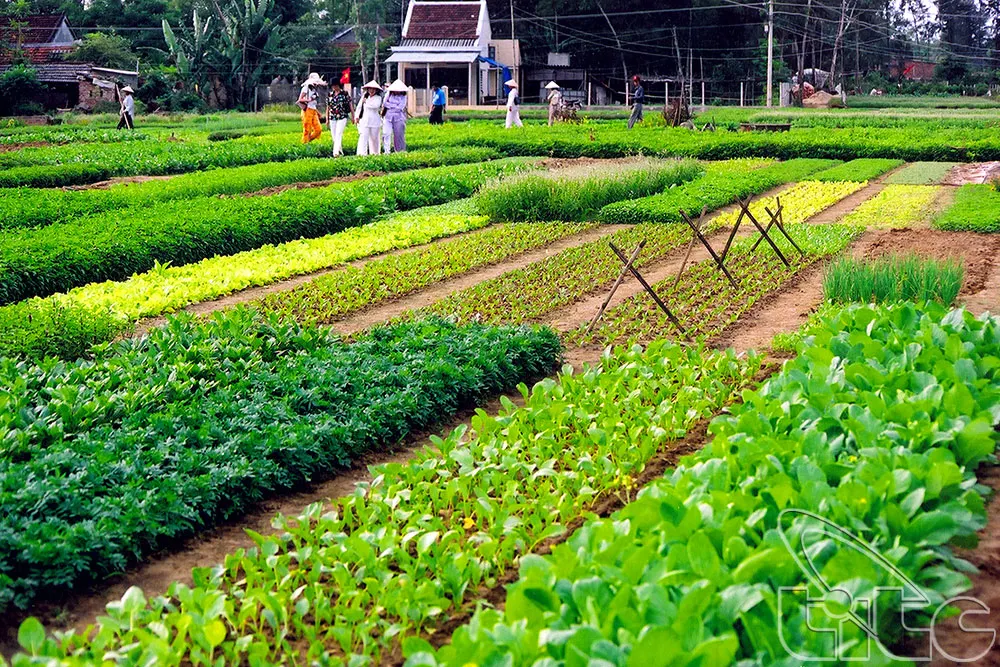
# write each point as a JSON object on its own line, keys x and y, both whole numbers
{"x": 514, "y": 51}
{"x": 770, "y": 52}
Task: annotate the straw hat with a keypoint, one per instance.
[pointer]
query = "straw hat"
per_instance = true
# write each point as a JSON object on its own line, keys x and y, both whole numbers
{"x": 551, "y": 85}
{"x": 372, "y": 84}
{"x": 314, "y": 79}
{"x": 510, "y": 83}
{"x": 398, "y": 87}
{"x": 127, "y": 89}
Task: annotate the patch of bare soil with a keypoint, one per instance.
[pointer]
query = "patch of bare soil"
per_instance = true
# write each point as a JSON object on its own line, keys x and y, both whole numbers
{"x": 9, "y": 148}
{"x": 976, "y": 251}
{"x": 975, "y": 172}
{"x": 985, "y": 587}
{"x": 121, "y": 180}
{"x": 311, "y": 184}
{"x": 554, "y": 163}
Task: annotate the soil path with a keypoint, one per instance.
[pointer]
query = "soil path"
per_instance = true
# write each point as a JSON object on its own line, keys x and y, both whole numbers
{"x": 120, "y": 180}
{"x": 10, "y": 148}
{"x": 975, "y": 172}
{"x": 427, "y": 296}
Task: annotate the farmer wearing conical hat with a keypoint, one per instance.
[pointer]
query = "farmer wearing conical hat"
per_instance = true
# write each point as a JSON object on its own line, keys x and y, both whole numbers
{"x": 308, "y": 98}
{"x": 396, "y": 114}
{"x": 369, "y": 119}
{"x": 127, "y": 112}
{"x": 555, "y": 100}
{"x": 513, "y": 105}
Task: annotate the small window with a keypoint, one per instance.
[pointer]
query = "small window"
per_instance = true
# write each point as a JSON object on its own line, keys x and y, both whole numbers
{"x": 493, "y": 53}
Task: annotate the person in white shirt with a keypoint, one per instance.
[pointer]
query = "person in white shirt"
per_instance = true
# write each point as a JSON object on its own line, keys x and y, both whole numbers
{"x": 369, "y": 119}
{"x": 513, "y": 105}
{"x": 555, "y": 99}
{"x": 127, "y": 112}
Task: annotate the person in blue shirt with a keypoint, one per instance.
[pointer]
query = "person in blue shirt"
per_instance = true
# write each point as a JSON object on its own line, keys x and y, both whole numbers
{"x": 638, "y": 99}
{"x": 438, "y": 102}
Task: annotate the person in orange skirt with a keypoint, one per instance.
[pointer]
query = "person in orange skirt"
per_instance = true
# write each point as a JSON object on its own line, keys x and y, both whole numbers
{"x": 308, "y": 99}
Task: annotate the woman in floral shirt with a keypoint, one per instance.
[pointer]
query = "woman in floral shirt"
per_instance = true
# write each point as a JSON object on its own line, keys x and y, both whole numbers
{"x": 339, "y": 110}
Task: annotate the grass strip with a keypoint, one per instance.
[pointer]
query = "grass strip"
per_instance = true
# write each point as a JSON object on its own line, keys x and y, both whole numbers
{"x": 109, "y": 246}
{"x": 704, "y": 301}
{"x": 34, "y": 207}
{"x": 706, "y": 566}
{"x": 579, "y": 193}
{"x": 895, "y": 207}
{"x": 976, "y": 209}
{"x": 710, "y": 192}
{"x": 353, "y": 581}
{"x": 863, "y": 169}
{"x": 921, "y": 173}
{"x": 335, "y": 295}
{"x": 264, "y": 421}
{"x": 67, "y": 325}
{"x": 892, "y": 278}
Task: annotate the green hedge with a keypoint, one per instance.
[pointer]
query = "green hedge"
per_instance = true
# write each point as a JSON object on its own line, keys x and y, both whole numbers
{"x": 158, "y": 439}
{"x": 711, "y": 191}
{"x": 111, "y": 246}
{"x": 35, "y": 207}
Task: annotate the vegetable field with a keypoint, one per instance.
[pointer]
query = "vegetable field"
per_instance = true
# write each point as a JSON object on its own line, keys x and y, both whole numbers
{"x": 545, "y": 397}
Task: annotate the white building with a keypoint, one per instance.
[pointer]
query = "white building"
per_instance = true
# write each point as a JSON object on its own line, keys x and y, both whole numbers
{"x": 448, "y": 43}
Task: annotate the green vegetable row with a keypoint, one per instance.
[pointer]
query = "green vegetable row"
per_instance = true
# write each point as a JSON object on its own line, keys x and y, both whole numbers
{"x": 108, "y": 461}
{"x": 864, "y": 169}
{"x": 877, "y": 428}
{"x": 33, "y": 207}
{"x": 110, "y": 246}
{"x": 331, "y": 297}
{"x": 401, "y": 555}
{"x": 711, "y": 191}
{"x": 66, "y": 325}
{"x": 704, "y": 301}
{"x": 976, "y": 209}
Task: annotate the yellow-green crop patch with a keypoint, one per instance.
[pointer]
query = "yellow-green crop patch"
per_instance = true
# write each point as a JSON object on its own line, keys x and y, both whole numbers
{"x": 896, "y": 207}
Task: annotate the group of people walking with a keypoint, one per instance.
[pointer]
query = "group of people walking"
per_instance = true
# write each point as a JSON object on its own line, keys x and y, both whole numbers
{"x": 380, "y": 115}
{"x": 382, "y": 112}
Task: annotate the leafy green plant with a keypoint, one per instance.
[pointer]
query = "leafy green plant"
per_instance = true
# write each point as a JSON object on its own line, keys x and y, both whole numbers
{"x": 166, "y": 438}
{"x": 895, "y": 207}
{"x": 892, "y": 278}
{"x": 578, "y": 194}
{"x": 691, "y": 572}
{"x": 976, "y": 208}
{"x": 404, "y": 552}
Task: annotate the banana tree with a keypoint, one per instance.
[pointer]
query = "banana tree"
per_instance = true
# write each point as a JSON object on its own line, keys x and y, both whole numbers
{"x": 192, "y": 52}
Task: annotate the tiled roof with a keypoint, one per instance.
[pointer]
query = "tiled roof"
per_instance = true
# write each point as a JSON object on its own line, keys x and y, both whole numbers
{"x": 40, "y": 29}
{"x": 424, "y": 43}
{"x": 39, "y": 55}
{"x": 443, "y": 20}
{"x": 60, "y": 72}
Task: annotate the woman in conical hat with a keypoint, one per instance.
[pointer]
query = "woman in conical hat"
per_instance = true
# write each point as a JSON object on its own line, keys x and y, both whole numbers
{"x": 513, "y": 105}
{"x": 311, "y": 127}
{"x": 555, "y": 100}
{"x": 396, "y": 114}
{"x": 368, "y": 118}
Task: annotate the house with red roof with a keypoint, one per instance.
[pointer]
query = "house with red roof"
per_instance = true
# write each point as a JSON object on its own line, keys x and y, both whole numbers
{"x": 449, "y": 43}
{"x": 44, "y": 42}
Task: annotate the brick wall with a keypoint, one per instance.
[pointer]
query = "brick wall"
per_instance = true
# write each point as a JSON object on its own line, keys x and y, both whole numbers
{"x": 91, "y": 94}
